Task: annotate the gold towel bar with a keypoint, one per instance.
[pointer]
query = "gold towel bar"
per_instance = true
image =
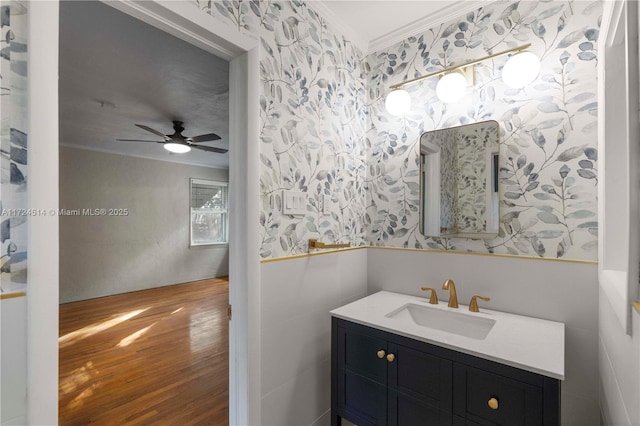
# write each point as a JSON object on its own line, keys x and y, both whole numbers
{"x": 315, "y": 244}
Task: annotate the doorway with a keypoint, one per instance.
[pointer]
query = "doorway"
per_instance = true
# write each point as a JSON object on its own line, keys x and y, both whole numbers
{"x": 143, "y": 230}
{"x": 189, "y": 24}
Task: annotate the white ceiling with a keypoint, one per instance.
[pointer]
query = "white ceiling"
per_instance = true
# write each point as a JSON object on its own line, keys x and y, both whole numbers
{"x": 377, "y": 24}
{"x": 116, "y": 71}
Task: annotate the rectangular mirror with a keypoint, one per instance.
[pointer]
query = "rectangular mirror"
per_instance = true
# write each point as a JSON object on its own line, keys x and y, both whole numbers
{"x": 459, "y": 181}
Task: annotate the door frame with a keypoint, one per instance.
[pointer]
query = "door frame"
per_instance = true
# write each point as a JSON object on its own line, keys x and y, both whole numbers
{"x": 185, "y": 21}
{"x": 618, "y": 151}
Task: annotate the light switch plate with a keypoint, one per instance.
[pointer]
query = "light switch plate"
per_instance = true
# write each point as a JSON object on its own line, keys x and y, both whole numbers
{"x": 326, "y": 202}
{"x": 294, "y": 203}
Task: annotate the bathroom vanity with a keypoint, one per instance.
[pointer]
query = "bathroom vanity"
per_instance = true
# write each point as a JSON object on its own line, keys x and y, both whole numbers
{"x": 398, "y": 360}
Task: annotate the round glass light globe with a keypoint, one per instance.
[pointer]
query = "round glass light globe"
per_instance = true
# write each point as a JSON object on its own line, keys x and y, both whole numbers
{"x": 521, "y": 69}
{"x": 398, "y": 102}
{"x": 176, "y": 148}
{"x": 451, "y": 87}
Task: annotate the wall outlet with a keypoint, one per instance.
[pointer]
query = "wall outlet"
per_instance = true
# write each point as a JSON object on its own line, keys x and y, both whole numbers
{"x": 294, "y": 203}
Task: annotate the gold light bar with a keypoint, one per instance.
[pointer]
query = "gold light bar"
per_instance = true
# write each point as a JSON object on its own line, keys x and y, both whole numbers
{"x": 457, "y": 67}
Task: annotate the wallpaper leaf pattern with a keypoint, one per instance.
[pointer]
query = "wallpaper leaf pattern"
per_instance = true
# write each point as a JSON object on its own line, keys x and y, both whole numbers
{"x": 548, "y": 152}
{"x": 476, "y": 143}
{"x": 313, "y": 119}
{"x": 324, "y": 130}
{"x": 13, "y": 146}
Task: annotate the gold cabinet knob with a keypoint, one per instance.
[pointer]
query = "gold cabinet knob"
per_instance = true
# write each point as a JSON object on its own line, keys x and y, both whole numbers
{"x": 493, "y": 403}
{"x": 391, "y": 357}
{"x": 380, "y": 354}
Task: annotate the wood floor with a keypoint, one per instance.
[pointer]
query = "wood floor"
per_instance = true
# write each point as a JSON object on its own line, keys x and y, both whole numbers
{"x": 156, "y": 357}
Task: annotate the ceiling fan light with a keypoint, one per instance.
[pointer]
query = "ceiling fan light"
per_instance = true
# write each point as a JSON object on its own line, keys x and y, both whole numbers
{"x": 521, "y": 69}
{"x": 176, "y": 148}
{"x": 451, "y": 87}
{"x": 398, "y": 102}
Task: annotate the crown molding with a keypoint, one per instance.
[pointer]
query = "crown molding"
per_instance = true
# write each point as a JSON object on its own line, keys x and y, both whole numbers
{"x": 448, "y": 13}
{"x": 320, "y": 6}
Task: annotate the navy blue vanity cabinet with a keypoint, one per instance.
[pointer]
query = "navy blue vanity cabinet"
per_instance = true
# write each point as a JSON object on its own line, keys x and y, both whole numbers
{"x": 378, "y": 381}
{"x": 381, "y": 378}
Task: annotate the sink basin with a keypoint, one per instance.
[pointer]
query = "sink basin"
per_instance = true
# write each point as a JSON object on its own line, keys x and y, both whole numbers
{"x": 459, "y": 323}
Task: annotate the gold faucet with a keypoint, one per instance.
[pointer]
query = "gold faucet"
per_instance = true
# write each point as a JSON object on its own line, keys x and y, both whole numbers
{"x": 453, "y": 296}
{"x": 473, "y": 305}
{"x": 434, "y": 296}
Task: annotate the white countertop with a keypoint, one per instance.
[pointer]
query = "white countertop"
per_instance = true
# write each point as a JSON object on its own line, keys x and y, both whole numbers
{"x": 523, "y": 342}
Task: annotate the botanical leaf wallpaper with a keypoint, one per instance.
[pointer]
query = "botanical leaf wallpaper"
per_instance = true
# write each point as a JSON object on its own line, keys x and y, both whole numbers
{"x": 476, "y": 143}
{"x": 548, "y": 150}
{"x": 324, "y": 129}
{"x": 313, "y": 120}
{"x": 448, "y": 181}
{"x": 13, "y": 142}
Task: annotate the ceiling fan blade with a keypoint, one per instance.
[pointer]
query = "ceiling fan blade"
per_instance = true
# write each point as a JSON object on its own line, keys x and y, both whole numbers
{"x": 136, "y": 140}
{"x": 149, "y": 129}
{"x": 205, "y": 138}
{"x": 210, "y": 149}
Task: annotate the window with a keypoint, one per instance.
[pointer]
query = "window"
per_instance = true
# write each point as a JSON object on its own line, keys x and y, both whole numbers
{"x": 209, "y": 212}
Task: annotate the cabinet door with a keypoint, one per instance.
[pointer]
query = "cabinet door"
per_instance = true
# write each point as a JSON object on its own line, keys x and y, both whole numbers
{"x": 514, "y": 403}
{"x": 362, "y": 378}
{"x": 361, "y": 355}
{"x": 422, "y": 376}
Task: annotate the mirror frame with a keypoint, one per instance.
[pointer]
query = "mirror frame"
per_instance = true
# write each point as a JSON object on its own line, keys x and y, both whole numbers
{"x": 493, "y": 180}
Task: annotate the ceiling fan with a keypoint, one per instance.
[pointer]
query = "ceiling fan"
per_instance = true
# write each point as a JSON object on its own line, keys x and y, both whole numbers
{"x": 177, "y": 143}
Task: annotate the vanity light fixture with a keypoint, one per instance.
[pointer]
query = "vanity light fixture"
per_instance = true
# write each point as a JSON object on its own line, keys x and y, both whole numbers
{"x": 177, "y": 148}
{"x": 398, "y": 100}
{"x": 521, "y": 69}
{"x": 452, "y": 87}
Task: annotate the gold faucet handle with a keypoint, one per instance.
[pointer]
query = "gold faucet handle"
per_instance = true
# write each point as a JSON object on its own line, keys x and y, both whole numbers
{"x": 473, "y": 305}
{"x": 433, "y": 299}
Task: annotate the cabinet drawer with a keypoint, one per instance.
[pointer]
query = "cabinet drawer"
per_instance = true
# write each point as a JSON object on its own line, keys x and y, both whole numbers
{"x": 517, "y": 403}
{"x": 363, "y": 400}
{"x": 459, "y": 421}
{"x": 405, "y": 410}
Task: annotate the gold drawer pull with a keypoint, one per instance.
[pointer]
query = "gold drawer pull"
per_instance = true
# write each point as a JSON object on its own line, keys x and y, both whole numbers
{"x": 391, "y": 357}
{"x": 380, "y": 354}
{"x": 493, "y": 403}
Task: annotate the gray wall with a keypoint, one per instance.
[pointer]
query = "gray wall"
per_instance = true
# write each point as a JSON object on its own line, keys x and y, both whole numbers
{"x": 104, "y": 255}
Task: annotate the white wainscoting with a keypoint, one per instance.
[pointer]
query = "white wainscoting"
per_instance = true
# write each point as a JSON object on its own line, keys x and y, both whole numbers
{"x": 297, "y": 295}
{"x": 619, "y": 355}
{"x": 13, "y": 361}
